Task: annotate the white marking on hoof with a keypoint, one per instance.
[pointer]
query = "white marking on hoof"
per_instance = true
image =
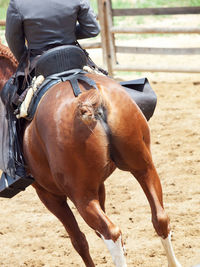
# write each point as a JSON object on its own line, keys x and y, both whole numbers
{"x": 172, "y": 261}
{"x": 116, "y": 251}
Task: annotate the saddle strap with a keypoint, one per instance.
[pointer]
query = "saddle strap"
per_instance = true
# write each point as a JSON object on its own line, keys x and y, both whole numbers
{"x": 74, "y": 82}
{"x": 77, "y": 75}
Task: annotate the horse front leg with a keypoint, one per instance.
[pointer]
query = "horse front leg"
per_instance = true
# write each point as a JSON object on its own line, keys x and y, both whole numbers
{"x": 59, "y": 207}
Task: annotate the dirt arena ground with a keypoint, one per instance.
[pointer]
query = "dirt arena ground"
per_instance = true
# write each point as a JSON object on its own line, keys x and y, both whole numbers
{"x": 31, "y": 236}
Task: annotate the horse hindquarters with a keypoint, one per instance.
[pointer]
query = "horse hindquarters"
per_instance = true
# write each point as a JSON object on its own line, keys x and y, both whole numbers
{"x": 76, "y": 150}
{"x": 130, "y": 148}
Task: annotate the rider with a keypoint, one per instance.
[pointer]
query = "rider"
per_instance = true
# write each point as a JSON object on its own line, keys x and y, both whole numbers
{"x": 45, "y": 23}
{"x": 33, "y": 27}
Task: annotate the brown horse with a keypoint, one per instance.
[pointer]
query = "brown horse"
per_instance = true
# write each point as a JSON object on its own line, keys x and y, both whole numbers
{"x": 71, "y": 148}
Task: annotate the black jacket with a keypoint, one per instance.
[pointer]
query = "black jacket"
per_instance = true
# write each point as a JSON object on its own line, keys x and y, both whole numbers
{"x": 47, "y": 22}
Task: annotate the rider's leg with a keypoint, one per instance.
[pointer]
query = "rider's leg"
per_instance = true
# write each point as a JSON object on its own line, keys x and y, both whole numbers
{"x": 14, "y": 165}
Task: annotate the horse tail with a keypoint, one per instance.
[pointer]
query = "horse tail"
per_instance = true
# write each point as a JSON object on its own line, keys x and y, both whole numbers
{"x": 89, "y": 106}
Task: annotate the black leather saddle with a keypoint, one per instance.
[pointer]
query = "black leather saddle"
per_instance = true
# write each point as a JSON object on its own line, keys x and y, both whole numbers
{"x": 60, "y": 59}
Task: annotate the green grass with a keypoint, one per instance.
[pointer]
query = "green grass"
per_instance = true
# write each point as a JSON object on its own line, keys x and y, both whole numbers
{"x": 3, "y": 8}
{"x": 4, "y": 3}
{"x": 169, "y": 3}
{"x": 124, "y": 4}
{"x": 146, "y": 4}
{"x": 3, "y": 13}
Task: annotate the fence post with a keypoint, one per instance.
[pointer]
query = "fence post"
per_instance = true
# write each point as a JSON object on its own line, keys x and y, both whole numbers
{"x": 105, "y": 18}
{"x": 112, "y": 35}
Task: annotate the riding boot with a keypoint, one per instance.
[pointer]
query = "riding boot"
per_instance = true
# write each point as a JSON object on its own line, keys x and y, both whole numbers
{"x": 10, "y": 186}
{"x": 14, "y": 178}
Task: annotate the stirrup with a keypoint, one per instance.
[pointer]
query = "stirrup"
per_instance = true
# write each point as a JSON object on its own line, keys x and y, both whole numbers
{"x": 10, "y": 186}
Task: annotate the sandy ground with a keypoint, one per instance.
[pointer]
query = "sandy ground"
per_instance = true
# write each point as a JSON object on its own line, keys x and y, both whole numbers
{"x": 31, "y": 236}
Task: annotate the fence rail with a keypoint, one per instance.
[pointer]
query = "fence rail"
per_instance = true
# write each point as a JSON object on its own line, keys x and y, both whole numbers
{"x": 174, "y": 30}
{"x": 157, "y": 50}
{"x": 156, "y": 11}
{"x": 91, "y": 45}
{"x": 155, "y": 68}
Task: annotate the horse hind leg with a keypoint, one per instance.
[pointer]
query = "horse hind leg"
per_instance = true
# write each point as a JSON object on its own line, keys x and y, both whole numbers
{"x": 115, "y": 248}
{"x": 91, "y": 211}
{"x": 141, "y": 166}
{"x": 130, "y": 148}
{"x": 59, "y": 207}
{"x": 170, "y": 252}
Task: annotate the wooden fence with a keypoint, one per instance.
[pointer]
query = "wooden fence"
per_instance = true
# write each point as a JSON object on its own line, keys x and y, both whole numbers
{"x": 106, "y": 14}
